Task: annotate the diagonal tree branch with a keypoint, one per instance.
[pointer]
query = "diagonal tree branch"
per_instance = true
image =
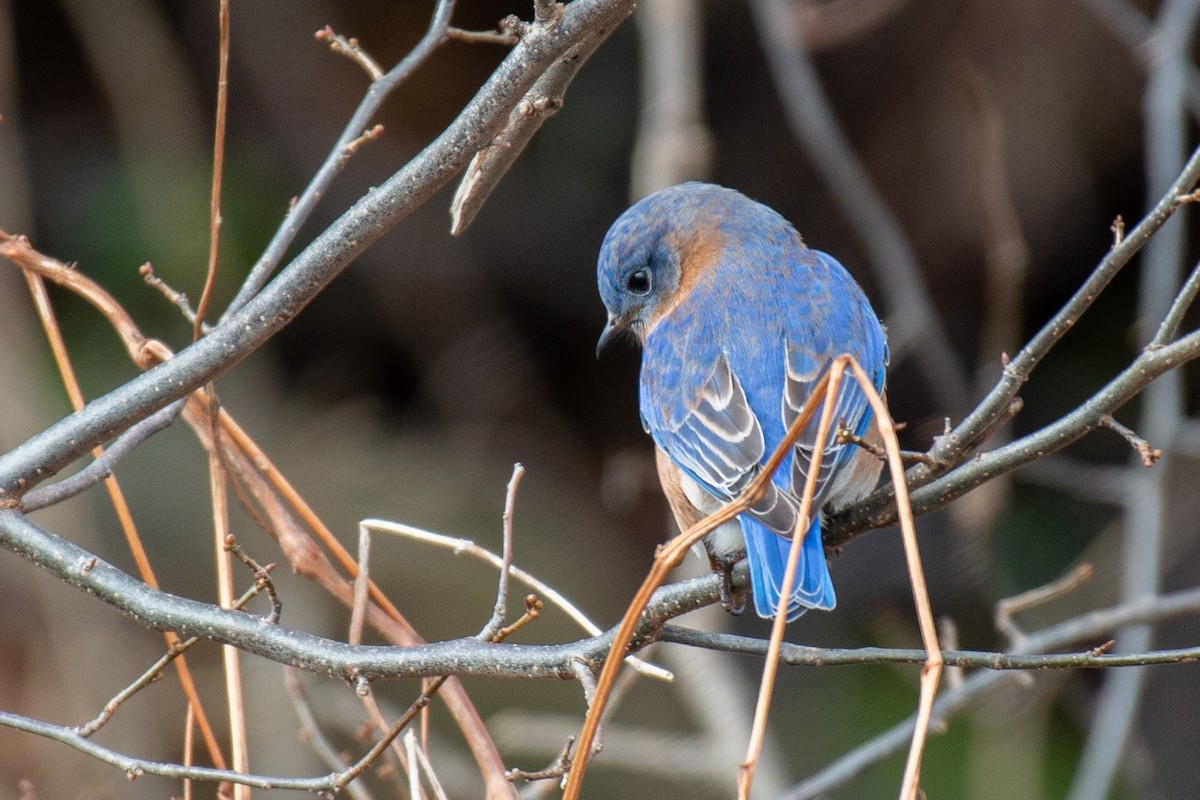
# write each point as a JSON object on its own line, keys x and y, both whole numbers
{"x": 950, "y": 449}
{"x": 242, "y": 332}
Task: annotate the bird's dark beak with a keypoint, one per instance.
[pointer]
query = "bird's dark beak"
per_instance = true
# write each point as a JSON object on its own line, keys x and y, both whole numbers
{"x": 611, "y": 331}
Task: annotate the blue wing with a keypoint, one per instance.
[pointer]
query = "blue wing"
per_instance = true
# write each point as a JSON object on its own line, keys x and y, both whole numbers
{"x": 729, "y": 370}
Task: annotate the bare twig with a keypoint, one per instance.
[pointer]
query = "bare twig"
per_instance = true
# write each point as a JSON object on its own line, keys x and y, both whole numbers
{"x": 103, "y": 465}
{"x": 1147, "y": 454}
{"x": 136, "y": 767}
{"x": 351, "y": 50}
{"x": 506, "y": 34}
{"x": 496, "y": 623}
{"x": 426, "y": 767}
{"x": 541, "y": 102}
{"x": 414, "y": 773}
{"x": 302, "y": 207}
{"x": 174, "y": 651}
{"x": 793, "y": 655}
{"x": 175, "y": 298}
{"x": 218, "y": 171}
{"x": 915, "y": 326}
{"x": 844, "y": 435}
{"x": 189, "y": 737}
{"x": 362, "y": 584}
{"x": 559, "y": 767}
{"x": 1009, "y": 606}
{"x": 1174, "y": 318}
{"x": 311, "y": 732}
{"x": 544, "y": 590}
{"x": 369, "y": 135}
{"x": 239, "y": 743}
{"x": 262, "y": 577}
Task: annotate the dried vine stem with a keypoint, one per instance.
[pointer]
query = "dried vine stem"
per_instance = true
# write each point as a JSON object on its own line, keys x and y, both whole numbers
{"x": 672, "y": 553}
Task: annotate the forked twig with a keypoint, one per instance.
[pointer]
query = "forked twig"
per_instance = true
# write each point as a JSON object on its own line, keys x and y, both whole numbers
{"x": 496, "y": 623}
{"x": 175, "y": 650}
{"x": 218, "y": 170}
{"x": 544, "y": 590}
{"x": 350, "y": 48}
{"x": 1148, "y": 454}
{"x": 1007, "y": 607}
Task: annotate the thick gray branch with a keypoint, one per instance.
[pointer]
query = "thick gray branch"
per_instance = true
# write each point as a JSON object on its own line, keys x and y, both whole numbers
{"x": 161, "y": 611}
{"x": 1050, "y": 439}
{"x": 878, "y": 511}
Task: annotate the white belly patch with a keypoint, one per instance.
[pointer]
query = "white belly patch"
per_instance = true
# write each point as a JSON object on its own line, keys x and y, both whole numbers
{"x": 727, "y": 538}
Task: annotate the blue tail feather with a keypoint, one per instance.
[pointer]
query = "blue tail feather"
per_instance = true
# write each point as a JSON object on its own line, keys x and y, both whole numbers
{"x": 767, "y": 553}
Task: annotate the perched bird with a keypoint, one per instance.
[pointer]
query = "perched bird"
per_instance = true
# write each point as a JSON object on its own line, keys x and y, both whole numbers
{"x": 738, "y": 320}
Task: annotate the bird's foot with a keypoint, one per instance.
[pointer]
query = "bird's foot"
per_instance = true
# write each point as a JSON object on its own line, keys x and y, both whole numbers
{"x": 732, "y": 601}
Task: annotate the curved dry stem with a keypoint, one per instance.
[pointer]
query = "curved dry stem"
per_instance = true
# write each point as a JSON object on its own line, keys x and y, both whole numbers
{"x": 667, "y": 558}
{"x": 66, "y": 369}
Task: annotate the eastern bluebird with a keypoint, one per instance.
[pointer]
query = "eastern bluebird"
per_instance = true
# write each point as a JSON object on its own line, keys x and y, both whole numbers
{"x": 738, "y": 319}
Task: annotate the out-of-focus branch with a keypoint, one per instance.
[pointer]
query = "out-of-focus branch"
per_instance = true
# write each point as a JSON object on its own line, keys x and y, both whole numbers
{"x": 826, "y": 24}
{"x": 242, "y": 332}
{"x": 673, "y": 142}
{"x": 1162, "y": 406}
{"x": 915, "y": 327}
{"x": 1133, "y": 29}
{"x": 954, "y": 700}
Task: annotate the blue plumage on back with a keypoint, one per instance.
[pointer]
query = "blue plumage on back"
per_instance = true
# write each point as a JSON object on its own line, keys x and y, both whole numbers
{"x": 738, "y": 319}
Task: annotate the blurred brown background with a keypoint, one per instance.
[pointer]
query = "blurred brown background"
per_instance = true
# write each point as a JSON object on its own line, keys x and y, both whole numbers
{"x": 409, "y": 388}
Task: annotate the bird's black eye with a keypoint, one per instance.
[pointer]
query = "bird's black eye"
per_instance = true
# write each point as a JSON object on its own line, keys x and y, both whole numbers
{"x": 638, "y": 281}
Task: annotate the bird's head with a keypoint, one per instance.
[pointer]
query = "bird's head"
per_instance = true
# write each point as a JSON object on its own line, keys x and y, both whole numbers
{"x": 652, "y": 256}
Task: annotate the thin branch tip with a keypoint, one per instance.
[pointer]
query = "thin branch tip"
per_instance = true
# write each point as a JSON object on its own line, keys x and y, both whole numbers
{"x": 351, "y": 49}
{"x": 1149, "y": 455}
